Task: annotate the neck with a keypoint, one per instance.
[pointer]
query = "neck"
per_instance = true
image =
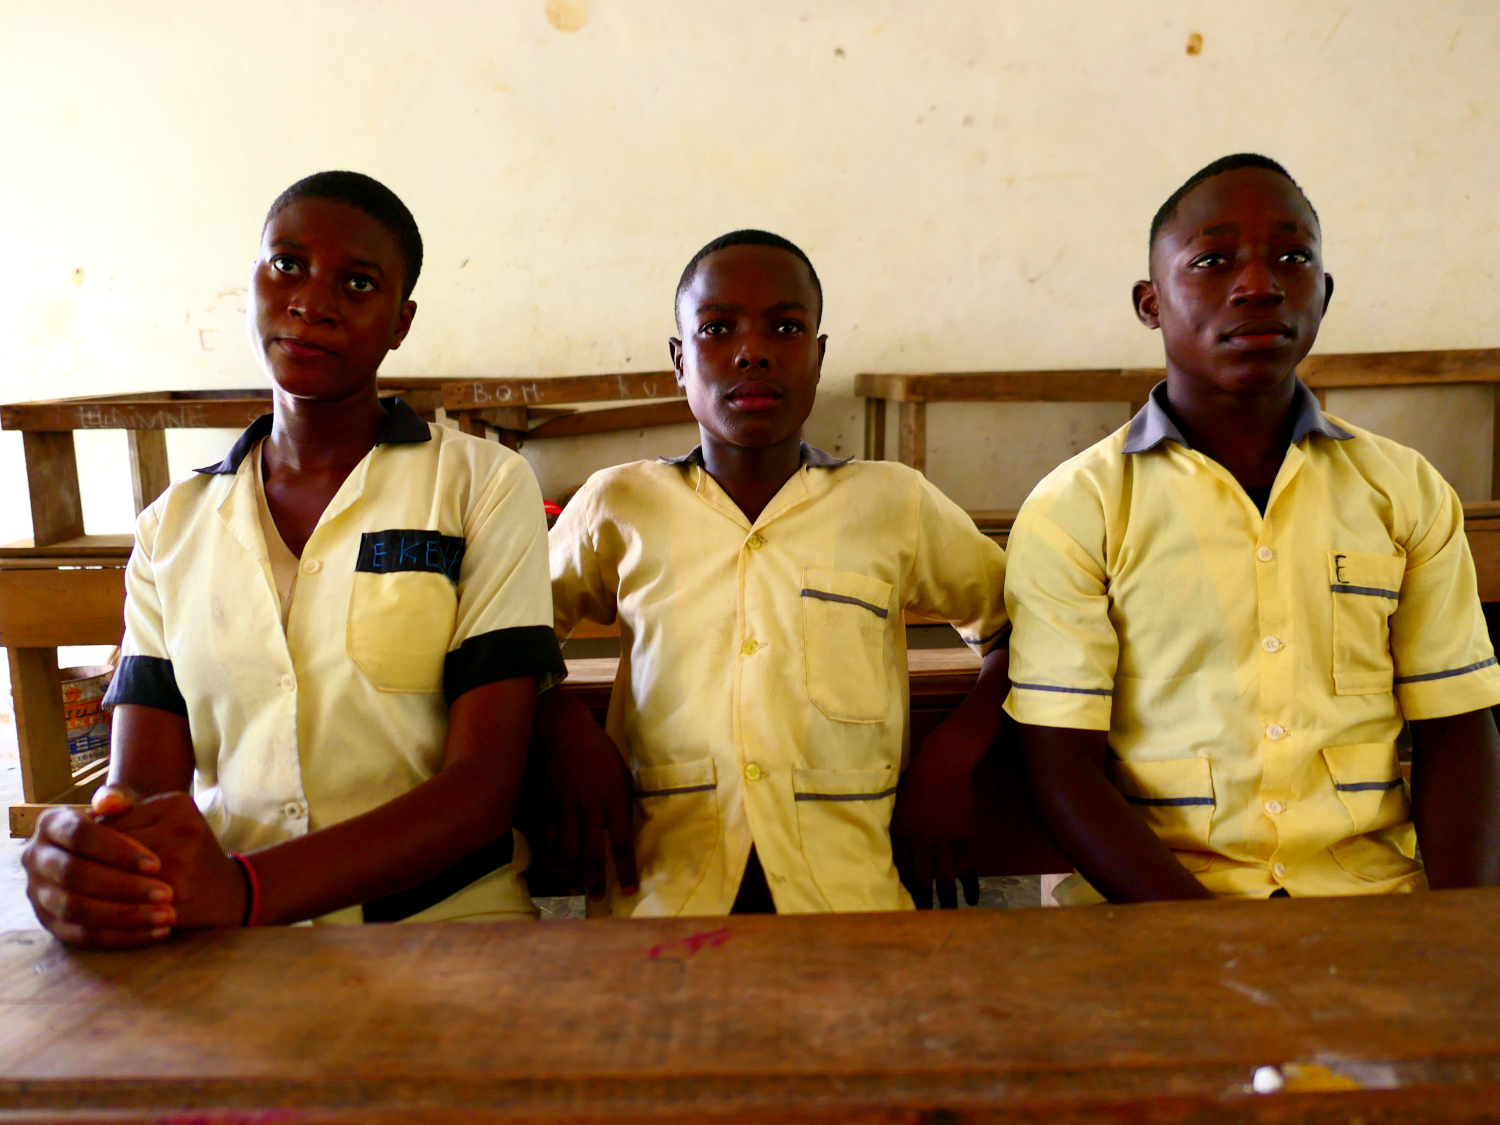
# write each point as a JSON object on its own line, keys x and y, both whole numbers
{"x": 1247, "y": 434}
{"x": 751, "y": 476}
{"x": 313, "y": 436}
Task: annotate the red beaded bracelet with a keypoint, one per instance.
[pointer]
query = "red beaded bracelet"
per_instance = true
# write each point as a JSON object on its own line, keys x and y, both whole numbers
{"x": 252, "y": 890}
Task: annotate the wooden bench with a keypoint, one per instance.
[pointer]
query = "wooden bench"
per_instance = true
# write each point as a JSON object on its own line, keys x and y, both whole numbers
{"x": 1309, "y": 1011}
{"x": 531, "y": 409}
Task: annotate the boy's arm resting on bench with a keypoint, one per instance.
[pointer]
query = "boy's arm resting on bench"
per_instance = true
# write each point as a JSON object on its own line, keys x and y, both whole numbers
{"x": 1455, "y": 798}
{"x": 1091, "y": 822}
{"x": 576, "y": 771}
{"x": 933, "y": 828}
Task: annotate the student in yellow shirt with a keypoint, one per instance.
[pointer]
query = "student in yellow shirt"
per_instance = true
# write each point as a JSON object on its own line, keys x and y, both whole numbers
{"x": 760, "y": 714}
{"x": 1225, "y": 612}
{"x": 333, "y": 637}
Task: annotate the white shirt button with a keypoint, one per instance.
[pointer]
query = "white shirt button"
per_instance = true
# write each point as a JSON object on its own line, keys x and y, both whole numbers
{"x": 312, "y": 566}
{"x": 1271, "y": 644}
{"x": 1265, "y": 554}
{"x": 289, "y": 682}
{"x": 294, "y": 809}
{"x": 1278, "y": 870}
{"x": 1276, "y": 732}
{"x": 1274, "y": 808}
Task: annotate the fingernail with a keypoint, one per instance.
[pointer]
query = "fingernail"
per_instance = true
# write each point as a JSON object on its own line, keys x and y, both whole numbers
{"x": 628, "y": 890}
{"x": 161, "y": 932}
{"x": 147, "y": 863}
{"x": 159, "y": 894}
{"x": 162, "y": 917}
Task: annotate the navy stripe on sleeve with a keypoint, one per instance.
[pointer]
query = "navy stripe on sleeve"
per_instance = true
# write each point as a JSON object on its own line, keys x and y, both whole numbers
{"x": 503, "y": 654}
{"x": 148, "y": 681}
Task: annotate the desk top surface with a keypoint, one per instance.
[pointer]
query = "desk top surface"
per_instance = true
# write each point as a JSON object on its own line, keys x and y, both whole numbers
{"x": 1161, "y": 1012}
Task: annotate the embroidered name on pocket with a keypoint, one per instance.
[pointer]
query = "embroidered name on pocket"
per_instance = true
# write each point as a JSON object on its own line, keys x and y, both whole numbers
{"x": 386, "y": 552}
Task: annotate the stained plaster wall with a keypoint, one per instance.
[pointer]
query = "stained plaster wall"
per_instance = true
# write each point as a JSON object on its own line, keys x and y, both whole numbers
{"x": 973, "y": 179}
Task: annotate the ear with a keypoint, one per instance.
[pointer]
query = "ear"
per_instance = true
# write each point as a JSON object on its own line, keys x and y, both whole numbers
{"x": 1147, "y": 311}
{"x": 1328, "y": 291}
{"x": 674, "y": 345}
{"x": 403, "y": 322}
{"x": 822, "y": 354}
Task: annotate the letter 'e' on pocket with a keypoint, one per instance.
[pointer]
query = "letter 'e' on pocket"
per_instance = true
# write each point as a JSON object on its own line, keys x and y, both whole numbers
{"x": 400, "y": 626}
{"x": 846, "y": 622}
{"x": 1366, "y": 589}
{"x": 1367, "y": 779}
{"x": 1175, "y": 797}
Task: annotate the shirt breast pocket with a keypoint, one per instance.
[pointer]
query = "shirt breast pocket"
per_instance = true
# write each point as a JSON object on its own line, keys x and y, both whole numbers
{"x": 404, "y": 607}
{"x": 1366, "y": 588}
{"x": 845, "y": 634}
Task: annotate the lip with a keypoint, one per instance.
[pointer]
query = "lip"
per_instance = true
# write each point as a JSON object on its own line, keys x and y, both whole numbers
{"x": 1255, "y": 335}
{"x": 297, "y": 348}
{"x": 754, "y": 394}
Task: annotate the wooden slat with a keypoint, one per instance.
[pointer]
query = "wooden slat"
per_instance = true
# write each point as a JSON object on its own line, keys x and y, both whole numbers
{"x": 874, "y": 429}
{"x": 23, "y": 818}
{"x": 911, "y": 441}
{"x": 1377, "y": 1008}
{"x": 612, "y": 419}
{"x": 84, "y": 549}
{"x": 51, "y": 607}
{"x": 1402, "y": 369}
{"x": 1011, "y": 386}
{"x": 41, "y": 733}
{"x": 52, "y": 481}
{"x": 480, "y": 393}
{"x": 149, "y": 475}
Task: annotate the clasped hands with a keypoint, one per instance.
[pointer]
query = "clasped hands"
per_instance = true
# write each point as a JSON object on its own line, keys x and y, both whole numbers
{"x": 127, "y": 872}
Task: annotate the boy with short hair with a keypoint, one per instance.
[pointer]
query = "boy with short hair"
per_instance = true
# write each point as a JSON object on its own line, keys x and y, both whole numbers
{"x": 759, "y": 584}
{"x": 1225, "y": 611}
{"x": 333, "y": 637}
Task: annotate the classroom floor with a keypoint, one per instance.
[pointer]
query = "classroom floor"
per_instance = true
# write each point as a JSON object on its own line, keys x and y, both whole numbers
{"x": 15, "y": 911}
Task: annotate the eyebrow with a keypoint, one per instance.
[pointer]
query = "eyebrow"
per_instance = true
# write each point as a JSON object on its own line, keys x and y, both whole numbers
{"x": 1286, "y": 226}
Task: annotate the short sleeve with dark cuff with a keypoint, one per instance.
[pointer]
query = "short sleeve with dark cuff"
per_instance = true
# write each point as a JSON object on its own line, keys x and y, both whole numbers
{"x": 148, "y": 681}
{"x": 502, "y": 654}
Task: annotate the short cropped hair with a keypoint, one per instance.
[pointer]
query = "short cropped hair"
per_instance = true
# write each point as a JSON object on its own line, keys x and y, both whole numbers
{"x": 374, "y": 199}
{"x": 744, "y": 238}
{"x": 1223, "y": 164}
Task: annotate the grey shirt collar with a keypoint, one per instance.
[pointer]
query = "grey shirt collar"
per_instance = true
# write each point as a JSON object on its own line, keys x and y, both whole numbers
{"x": 400, "y": 425}
{"x": 1152, "y": 425}
{"x": 811, "y": 456}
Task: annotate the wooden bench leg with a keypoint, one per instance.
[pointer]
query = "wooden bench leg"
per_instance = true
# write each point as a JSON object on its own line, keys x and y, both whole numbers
{"x": 1495, "y": 455}
{"x": 874, "y": 429}
{"x": 149, "y": 475}
{"x": 912, "y": 447}
{"x": 52, "y": 480}
{"x": 41, "y": 732}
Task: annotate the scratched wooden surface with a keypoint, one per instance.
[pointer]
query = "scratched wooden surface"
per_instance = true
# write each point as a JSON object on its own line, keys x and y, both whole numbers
{"x": 1377, "y": 1010}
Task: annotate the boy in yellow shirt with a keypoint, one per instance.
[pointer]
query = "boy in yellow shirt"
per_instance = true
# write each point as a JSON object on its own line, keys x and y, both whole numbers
{"x": 1225, "y": 611}
{"x": 760, "y": 714}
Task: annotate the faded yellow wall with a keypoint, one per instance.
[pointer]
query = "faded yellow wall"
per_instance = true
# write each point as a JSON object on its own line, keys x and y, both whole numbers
{"x": 973, "y": 179}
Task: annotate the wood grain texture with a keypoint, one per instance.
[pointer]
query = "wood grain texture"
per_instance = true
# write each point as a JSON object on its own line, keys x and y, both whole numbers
{"x": 52, "y": 482}
{"x": 149, "y": 474}
{"x": 911, "y": 434}
{"x": 874, "y": 429}
{"x": 86, "y": 550}
{"x": 1011, "y": 386}
{"x": 471, "y": 394}
{"x": 41, "y": 732}
{"x": 51, "y": 607}
{"x": 1381, "y": 1009}
{"x": 612, "y": 419}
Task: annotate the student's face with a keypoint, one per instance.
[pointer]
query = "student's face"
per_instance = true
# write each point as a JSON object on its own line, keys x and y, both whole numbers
{"x": 1237, "y": 284}
{"x": 750, "y": 356}
{"x": 326, "y": 299}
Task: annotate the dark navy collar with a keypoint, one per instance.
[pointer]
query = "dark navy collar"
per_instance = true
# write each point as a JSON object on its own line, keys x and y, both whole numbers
{"x": 1153, "y": 425}
{"x": 811, "y": 456}
{"x": 400, "y": 425}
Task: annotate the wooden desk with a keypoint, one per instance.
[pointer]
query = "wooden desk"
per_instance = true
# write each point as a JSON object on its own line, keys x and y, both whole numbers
{"x": 529, "y": 409}
{"x": 1375, "y": 1010}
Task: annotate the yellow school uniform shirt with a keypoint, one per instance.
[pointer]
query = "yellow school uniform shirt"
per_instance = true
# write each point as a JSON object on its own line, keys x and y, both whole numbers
{"x": 426, "y": 576}
{"x": 762, "y": 690}
{"x": 1253, "y": 672}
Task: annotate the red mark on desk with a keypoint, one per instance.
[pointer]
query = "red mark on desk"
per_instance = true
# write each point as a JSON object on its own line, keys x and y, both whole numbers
{"x": 692, "y": 943}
